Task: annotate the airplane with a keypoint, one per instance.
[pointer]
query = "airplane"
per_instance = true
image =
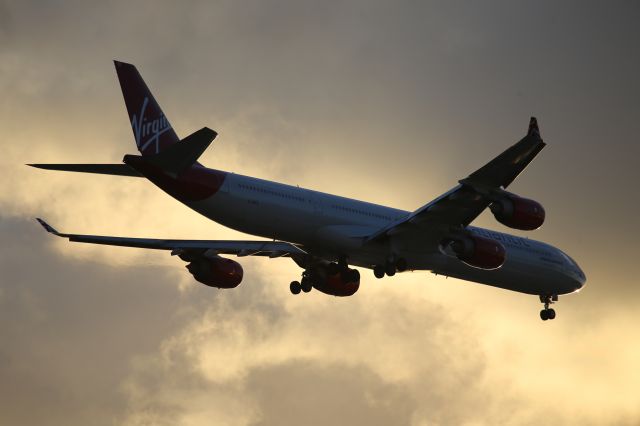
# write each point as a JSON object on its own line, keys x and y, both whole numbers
{"x": 325, "y": 234}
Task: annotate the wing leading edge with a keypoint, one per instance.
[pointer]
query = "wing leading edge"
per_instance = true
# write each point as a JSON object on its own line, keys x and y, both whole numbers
{"x": 234, "y": 247}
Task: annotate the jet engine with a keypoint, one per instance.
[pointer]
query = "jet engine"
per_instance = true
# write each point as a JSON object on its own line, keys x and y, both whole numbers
{"x": 518, "y": 213}
{"x": 479, "y": 252}
{"x": 216, "y": 272}
{"x": 344, "y": 283}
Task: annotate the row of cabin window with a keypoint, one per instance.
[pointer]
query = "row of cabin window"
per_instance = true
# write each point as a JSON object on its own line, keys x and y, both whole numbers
{"x": 268, "y": 191}
{"x": 379, "y": 216}
{"x": 515, "y": 242}
{"x": 293, "y": 197}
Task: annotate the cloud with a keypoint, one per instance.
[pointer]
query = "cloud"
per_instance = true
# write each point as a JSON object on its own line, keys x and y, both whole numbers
{"x": 146, "y": 344}
{"x": 391, "y": 103}
{"x": 86, "y": 341}
{"x": 366, "y": 360}
{"x": 68, "y": 329}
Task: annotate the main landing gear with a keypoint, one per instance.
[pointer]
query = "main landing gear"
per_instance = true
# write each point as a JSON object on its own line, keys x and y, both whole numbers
{"x": 548, "y": 313}
{"x": 390, "y": 268}
{"x": 305, "y": 284}
{"x": 318, "y": 274}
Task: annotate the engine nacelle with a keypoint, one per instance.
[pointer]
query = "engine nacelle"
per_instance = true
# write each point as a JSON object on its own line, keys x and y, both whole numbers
{"x": 341, "y": 284}
{"x": 216, "y": 272}
{"x": 479, "y": 252}
{"x": 518, "y": 213}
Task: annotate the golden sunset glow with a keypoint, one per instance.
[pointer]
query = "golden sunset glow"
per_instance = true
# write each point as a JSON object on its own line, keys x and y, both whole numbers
{"x": 387, "y": 102}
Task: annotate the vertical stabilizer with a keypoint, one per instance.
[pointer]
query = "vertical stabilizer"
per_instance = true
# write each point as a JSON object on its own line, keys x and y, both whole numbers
{"x": 151, "y": 128}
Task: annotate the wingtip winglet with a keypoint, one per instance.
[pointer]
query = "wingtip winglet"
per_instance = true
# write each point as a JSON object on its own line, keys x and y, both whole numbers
{"x": 209, "y": 132}
{"x": 533, "y": 127}
{"x": 118, "y": 63}
{"x": 47, "y": 227}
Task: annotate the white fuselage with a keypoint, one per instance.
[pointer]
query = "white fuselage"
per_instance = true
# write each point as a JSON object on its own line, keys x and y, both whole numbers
{"x": 326, "y": 224}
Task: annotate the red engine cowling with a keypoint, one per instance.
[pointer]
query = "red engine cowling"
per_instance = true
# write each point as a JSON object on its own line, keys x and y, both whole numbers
{"x": 216, "y": 272}
{"x": 518, "y": 213}
{"x": 479, "y": 252}
{"x": 341, "y": 284}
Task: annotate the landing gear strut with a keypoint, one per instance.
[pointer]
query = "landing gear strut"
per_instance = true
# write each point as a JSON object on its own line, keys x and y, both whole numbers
{"x": 339, "y": 267}
{"x": 548, "y": 313}
{"x": 401, "y": 264}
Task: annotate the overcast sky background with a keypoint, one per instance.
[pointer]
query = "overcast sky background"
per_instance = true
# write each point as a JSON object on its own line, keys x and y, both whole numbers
{"x": 390, "y": 102}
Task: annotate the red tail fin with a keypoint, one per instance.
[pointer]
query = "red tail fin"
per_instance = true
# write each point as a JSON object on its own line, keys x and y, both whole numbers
{"x": 151, "y": 128}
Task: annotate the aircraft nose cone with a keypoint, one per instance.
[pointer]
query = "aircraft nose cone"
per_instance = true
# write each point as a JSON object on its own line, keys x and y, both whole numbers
{"x": 580, "y": 279}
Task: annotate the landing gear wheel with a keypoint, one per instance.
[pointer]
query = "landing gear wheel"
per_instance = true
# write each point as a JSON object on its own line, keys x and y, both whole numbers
{"x": 295, "y": 287}
{"x": 390, "y": 269}
{"x": 548, "y": 313}
{"x": 401, "y": 264}
{"x": 378, "y": 271}
{"x": 306, "y": 285}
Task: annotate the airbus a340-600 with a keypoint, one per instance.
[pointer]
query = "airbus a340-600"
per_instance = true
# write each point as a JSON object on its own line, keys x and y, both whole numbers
{"x": 326, "y": 234}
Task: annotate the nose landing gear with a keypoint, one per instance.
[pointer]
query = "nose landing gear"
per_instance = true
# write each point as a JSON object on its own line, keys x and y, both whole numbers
{"x": 548, "y": 313}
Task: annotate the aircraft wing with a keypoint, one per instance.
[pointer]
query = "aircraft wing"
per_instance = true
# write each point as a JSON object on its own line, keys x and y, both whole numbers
{"x": 461, "y": 205}
{"x": 235, "y": 247}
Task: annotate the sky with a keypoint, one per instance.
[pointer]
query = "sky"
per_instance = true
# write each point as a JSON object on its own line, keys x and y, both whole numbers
{"x": 391, "y": 102}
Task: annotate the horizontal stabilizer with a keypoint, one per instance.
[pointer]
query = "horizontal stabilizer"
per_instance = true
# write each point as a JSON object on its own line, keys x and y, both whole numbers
{"x": 103, "y": 169}
{"x": 180, "y": 156}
